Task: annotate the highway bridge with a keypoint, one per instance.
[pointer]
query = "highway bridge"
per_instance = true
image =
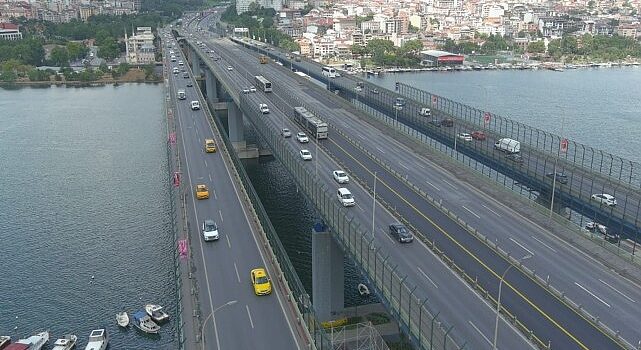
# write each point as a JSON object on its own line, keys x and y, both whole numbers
{"x": 468, "y": 240}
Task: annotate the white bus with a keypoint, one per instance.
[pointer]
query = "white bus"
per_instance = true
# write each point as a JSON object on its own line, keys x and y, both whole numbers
{"x": 329, "y": 72}
{"x": 263, "y": 83}
{"x": 316, "y": 127}
{"x": 302, "y": 75}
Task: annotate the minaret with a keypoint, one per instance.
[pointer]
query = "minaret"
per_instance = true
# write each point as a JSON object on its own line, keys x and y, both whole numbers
{"x": 126, "y": 47}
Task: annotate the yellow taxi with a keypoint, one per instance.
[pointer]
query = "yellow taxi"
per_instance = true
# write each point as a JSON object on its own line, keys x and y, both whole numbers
{"x": 260, "y": 281}
{"x": 210, "y": 146}
{"x": 202, "y": 192}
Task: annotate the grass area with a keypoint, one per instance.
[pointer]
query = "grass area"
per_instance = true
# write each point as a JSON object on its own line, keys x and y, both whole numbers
{"x": 378, "y": 318}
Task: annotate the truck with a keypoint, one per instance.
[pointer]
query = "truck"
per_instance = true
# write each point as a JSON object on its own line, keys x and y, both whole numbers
{"x": 181, "y": 94}
{"x": 507, "y": 145}
{"x": 262, "y": 59}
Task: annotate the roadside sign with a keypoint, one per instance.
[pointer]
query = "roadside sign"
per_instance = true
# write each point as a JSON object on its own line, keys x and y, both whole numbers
{"x": 487, "y": 117}
{"x": 172, "y": 138}
{"x": 182, "y": 248}
{"x": 176, "y": 179}
{"x": 564, "y": 145}
{"x": 434, "y": 100}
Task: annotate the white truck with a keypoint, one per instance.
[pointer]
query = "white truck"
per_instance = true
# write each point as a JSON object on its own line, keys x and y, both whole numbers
{"x": 509, "y": 146}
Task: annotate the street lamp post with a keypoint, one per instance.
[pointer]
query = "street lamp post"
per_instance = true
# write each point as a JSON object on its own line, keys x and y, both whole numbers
{"x": 498, "y": 301}
{"x": 373, "y": 209}
{"x": 211, "y": 315}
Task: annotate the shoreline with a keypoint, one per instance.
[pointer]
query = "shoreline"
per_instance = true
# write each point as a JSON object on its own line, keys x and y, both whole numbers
{"x": 75, "y": 83}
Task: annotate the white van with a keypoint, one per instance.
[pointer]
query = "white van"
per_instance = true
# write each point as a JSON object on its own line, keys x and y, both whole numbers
{"x": 345, "y": 197}
{"x": 195, "y": 105}
{"x": 425, "y": 112}
{"x": 508, "y": 145}
{"x": 181, "y": 94}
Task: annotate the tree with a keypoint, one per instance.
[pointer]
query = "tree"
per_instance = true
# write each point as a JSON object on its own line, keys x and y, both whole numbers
{"x": 109, "y": 49}
{"x": 60, "y": 56}
{"x": 76, "y": 50}
{"x": 536, "y": 47}
{"x": 411, "y": 47}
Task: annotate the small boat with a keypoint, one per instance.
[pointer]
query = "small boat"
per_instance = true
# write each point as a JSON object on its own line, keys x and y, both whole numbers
{"x": 98, "y": 340}
{"x": 67, "y": 342}
{"x": 35, "y": 342}
{"x": 156, "y": 312}
{"x": 363, "y": 290}
{"x": 4, "y": 341}
{"x": 143, "y": 322}
{"x": 122, "y": 319}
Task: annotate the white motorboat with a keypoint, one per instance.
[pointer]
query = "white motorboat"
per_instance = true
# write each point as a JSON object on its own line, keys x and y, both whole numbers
{"x": 122, "y": 319}
{"x": 144, "y": 322}
{"x": 363, "y": 290}
{"x": 156, "y": 312}
{"x": 98, "y": 340}
{"x": 67, "y": 342}
{"x": 35, "y": 342}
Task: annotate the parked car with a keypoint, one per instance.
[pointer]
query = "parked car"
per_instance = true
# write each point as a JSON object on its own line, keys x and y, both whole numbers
{"x": 401, "y": 233}
{"x": 252, "y": 89}
{"x": 478, "y": 135}
{"x": 340, "y": 176}
{"x": 604, "y": 198}
{"x": 560, "y": 177}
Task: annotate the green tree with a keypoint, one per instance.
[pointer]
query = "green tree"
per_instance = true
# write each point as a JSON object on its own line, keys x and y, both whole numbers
{"x": 536, "y": 47}
{"x": 109, "y": 49}
{"x": 60, "y": 56}
{"x": 76, "y": 50}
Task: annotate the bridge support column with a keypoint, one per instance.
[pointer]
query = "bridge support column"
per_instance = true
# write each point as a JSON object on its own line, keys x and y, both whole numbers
{"x": 236, "y": 133}
{"x": 211, "y": 86}
{"x": 328, "y": 277}
{"x": 195, "y": 62}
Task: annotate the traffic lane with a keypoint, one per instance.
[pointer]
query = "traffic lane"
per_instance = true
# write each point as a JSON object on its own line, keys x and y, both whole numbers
{"x": 219, "y": 258}
{"x": 475, "y": 265}
{"x": 471, "y": 211}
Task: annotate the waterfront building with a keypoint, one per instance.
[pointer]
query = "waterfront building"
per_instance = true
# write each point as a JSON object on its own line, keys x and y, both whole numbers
{"x": 436, "y": 58}
{"x": 140, "y": 46}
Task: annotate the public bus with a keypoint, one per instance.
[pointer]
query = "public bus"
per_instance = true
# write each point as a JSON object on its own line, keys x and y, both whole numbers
{"x": 263, "y": 83}
{"x": 316, "y": 127}
{"x": 329, "y": 72}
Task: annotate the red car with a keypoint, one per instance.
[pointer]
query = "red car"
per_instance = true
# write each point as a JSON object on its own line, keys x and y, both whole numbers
{"x": 478, "y": 135}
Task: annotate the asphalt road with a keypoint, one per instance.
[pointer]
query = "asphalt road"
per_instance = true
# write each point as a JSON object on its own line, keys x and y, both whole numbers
{"x": 608, "y": 285}
{"x": 472, "y": 317}
{"x": 224, "y": 265}
{"x": 584, "y": 280}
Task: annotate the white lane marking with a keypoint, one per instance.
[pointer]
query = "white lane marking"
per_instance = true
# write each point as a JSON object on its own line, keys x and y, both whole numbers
{"x": 250, "y": 316}
{"x": 616, "y": 290}
{"x": 403, "y": 165}
{"x": 431, "y": 184}
{"x": 237, "y": 274}
{"x": 522, "y": 246}
{"x": 210, "y": 179}
{"x": 492, "y": 211}
{"x": 543, "y": 243}
{"x": 471, "y": 212}
{"x": 426, "y": 276}
{"x": 380, "y": 150}
{"x": 359, "y": 207}
{"x": 205, "y": 163}
{"x": 592, "y": 294}
{"x": 481, "y": 333}
{"x": 221, "y": 215}
{"x": 447, "y": 182}
{"x": 215, "y": 196}
{"x": 389, "y": 237}
{"x": 418, "y": 163}
{"x": 228, "y": 242}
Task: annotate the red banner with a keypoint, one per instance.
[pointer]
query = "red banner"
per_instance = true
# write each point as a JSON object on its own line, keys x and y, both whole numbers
{"x": 564, "y": 145}
{"x": 176, "y": 179}
{"x": 487, "y": 117}
{"x": 434, "y": 100}
{"x": 182, "y": 248}
{"x": 172, "y": 138}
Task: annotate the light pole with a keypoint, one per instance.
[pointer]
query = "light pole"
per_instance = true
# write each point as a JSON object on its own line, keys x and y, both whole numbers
{"x": 498, "y": 301}
{"x": 202, "y": 330}
{"x": 555, "y": 161}
{"x": 373, "y": 209}
{"x": 316, "y": 163}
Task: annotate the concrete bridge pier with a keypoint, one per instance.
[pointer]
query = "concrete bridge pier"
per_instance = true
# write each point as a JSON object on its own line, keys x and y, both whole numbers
{"x": 236, "y": 132}
{"x": 328, "y": 277}
{"x": 211, "y": 87}
{"x": 195, "y": 63}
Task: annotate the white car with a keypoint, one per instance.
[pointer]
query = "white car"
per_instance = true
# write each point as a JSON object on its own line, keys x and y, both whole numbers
{"x": 301, "y": 137}
{"x": 195, "y": 105}
{"x": 263, "y": 108}
{"x": 210, "y": 230}
{"x": 230, "y": 68}
{"x": 340, "y": 176}
{"x": 180, "y": 63}
{"x": 245, "y": 91}
{"x": 252, "y": 89}
{"x": 464, "y": 136}
{"x": 605, "y": 198}
{"x": 305, "y": 154}
{"x": 285, "y": 132}
{"x": 345, "y": 197}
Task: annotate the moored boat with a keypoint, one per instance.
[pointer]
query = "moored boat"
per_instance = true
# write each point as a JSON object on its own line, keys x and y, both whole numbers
{"x": 363, "y": 290}
{"x": 4, "y": 341}
{"x": 122, "y": 319}
{"x": 143, "y": 322}
{"x": 98, "y": 340}
{"x": 67, "y": 342}
{"x": 156, "y": 312}
{"x": 35, "y": 342}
